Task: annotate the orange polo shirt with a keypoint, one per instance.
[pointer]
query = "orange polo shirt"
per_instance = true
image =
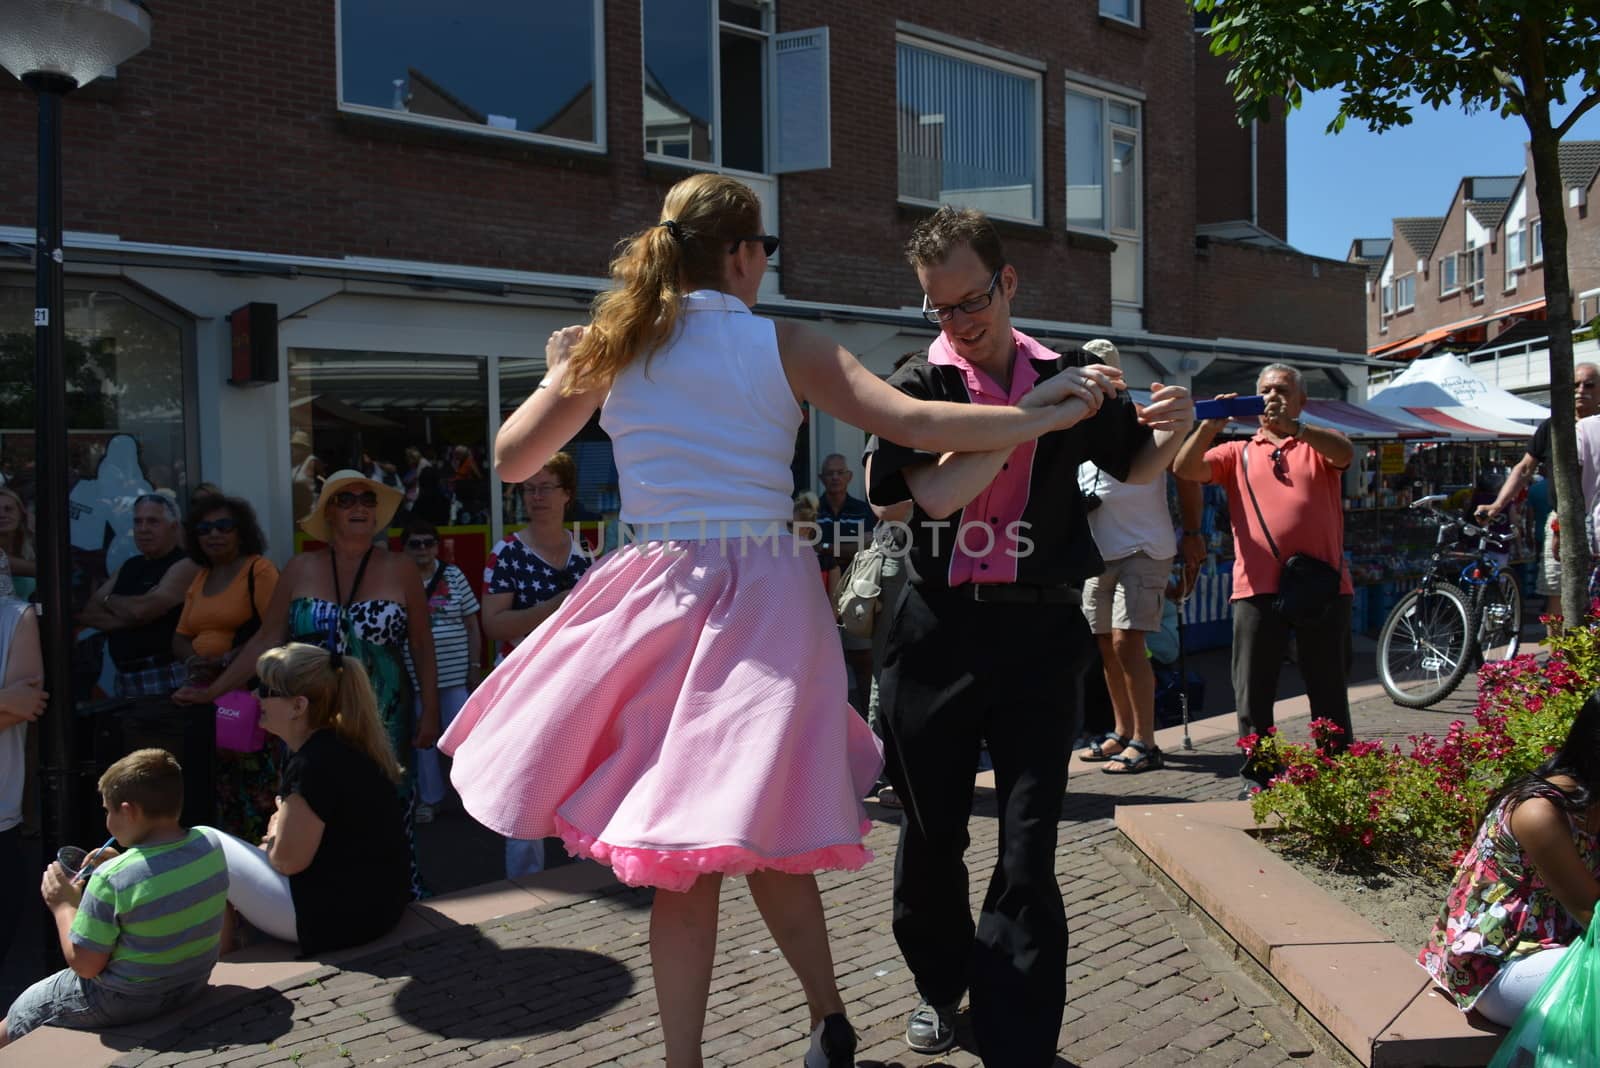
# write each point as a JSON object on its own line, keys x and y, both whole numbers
{"x": 1300, "y": 497}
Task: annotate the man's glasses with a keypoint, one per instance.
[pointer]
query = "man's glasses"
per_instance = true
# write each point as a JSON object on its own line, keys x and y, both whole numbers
{"x": 347, "y": 500}
{"x": 421, "y": 543}
{"x": 769, "y": 243}
{"x": 943, "y": 313}
{"x": 221, "y": 526}
{"x": 1280, "y": 462}
{"x": 540, "y": 489}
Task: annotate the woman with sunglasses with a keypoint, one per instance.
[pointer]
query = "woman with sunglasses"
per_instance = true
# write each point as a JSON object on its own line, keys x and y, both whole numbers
{"x": 682, "y": 716}
{"x": 457, "y": 644}
{"x": 354, "y": 597}
{"x": 222, "y": 610}
{"x": 334, "y": 868}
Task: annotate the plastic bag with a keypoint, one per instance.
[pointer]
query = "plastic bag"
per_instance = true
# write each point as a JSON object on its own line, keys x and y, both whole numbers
{"x": 1560, "y": 1028}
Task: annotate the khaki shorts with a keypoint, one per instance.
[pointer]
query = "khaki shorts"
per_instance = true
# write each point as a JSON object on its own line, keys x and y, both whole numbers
{"x": 1128, "y": 596}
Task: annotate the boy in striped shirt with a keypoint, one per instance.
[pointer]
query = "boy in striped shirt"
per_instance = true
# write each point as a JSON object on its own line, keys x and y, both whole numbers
{"x": 141, "y": 936}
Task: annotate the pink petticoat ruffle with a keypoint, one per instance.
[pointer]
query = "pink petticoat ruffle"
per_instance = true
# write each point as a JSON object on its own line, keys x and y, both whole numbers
{"x": 677, "y": 870}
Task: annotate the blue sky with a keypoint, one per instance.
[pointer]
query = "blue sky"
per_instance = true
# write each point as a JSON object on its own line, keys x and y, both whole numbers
{"x": 1350, "y": 184}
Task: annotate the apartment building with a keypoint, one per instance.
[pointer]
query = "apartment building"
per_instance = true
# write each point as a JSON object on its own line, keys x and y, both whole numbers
{"x": 332, "y": 231}
{"x": 1471, "y": 280}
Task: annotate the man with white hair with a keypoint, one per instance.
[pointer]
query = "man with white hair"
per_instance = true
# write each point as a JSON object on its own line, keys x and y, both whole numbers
{"x": 1586, "y": 402}
{"x": 1284, "y": 499}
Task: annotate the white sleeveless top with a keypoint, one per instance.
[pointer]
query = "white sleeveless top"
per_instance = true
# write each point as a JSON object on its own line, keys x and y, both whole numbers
{"x": 703, "y": 431}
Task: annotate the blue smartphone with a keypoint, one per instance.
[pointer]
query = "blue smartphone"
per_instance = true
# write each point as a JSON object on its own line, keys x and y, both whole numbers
{"x": 1233, "y": 408}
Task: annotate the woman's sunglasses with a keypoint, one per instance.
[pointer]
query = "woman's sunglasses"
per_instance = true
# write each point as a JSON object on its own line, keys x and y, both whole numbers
{"x": 346, "y": 499}
{"x": 265, "y": 692}
{"x": 769, "y": 243}
{"x": 221, "y": 526}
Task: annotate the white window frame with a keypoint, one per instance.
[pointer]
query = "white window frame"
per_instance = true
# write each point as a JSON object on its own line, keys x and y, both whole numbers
{"x": 1536, "y": 241}
{"x": 716, "y": 29}
{"x": 1386, "y": 305}
{"x": 1412, "y": 303}
{"x": 595, "y": 147}
{"x": 1449, "y": 266}
{"x": 1136, "y": 20}
{"x": 1109, "y": 133}
{"x": 1477, "y": 270}
{"x": 975, "y": 55}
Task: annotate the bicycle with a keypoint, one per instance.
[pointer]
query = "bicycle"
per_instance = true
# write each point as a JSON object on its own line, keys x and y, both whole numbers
{"x": 1466, "y": 612}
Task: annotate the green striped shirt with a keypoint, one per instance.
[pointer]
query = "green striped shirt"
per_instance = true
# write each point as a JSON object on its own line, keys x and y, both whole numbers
{"x": 158, "y": 911}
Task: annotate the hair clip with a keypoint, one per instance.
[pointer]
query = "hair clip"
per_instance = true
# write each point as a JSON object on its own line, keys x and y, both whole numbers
{"x": 674, "y": 229}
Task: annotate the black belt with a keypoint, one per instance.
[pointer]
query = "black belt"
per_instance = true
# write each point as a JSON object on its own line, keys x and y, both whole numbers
{"x": 1018, "y": 593}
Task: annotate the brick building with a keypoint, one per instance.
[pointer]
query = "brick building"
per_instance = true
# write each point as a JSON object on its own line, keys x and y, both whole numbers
{"x": 415, "y": 202}
{"x": 1471, "y": 281}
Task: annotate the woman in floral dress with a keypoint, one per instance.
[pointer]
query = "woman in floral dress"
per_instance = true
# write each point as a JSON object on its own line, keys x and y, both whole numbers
{"x": 1527, "y": 888}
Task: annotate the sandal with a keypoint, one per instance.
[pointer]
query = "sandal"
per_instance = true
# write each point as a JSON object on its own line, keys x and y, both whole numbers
{"x": 1149, "y": 759}
{"x": 1097, "y": 755}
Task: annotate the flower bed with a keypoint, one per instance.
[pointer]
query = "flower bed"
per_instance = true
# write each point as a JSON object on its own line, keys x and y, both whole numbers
{"x": 1416, "y": 808}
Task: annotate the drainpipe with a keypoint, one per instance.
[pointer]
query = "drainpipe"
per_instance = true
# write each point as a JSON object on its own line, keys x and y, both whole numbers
{"x": 1255, "y": 175}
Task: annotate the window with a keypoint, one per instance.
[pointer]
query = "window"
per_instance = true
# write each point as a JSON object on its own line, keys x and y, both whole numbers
{"x": 518, "y": 70}
{"x": 1472, "y": 270}
{"x": 1405, "y": 292}
{"x": 1104, "y": 183}
{"x": 1121, "y": 10}
{"x": 721, "y": 89}
{"x": 1447, "y": 275}
{"x": 969, "y": 131}
{"x": 1536, "y": 228}
{"x": 1388, "y": 299}
{"x": 127, "y": 407}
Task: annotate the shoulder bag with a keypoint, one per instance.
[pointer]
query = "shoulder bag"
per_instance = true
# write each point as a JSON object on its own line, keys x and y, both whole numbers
{"x": 1307, "y": 586}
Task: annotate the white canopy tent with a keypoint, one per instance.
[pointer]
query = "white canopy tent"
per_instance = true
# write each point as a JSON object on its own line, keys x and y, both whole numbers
{"x": 1444, "y": 382}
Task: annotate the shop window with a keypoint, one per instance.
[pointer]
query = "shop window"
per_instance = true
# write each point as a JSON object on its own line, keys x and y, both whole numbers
{"x": 534, "y": 71}
{"x": 969, "y": 131}
{"x": 1104, "y": 186}
{"x": 598, "y": 497}
{"x": 128, "y": 428}
{"x": 417, "y": 422}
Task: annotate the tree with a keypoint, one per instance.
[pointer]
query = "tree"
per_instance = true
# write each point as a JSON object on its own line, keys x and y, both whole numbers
{"x": 1385, "y": 57}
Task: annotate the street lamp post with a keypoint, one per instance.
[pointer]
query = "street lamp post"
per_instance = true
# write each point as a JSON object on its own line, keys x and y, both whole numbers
{"x": 52, "y": 47}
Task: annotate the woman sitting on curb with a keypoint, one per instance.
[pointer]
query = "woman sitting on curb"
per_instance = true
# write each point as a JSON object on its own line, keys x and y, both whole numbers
{"x": 1527, "y": 888}
{"x": 338, "y": 824}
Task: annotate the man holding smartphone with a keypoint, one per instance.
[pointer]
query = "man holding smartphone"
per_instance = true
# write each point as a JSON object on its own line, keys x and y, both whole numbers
{"x": 1291, "y": 483}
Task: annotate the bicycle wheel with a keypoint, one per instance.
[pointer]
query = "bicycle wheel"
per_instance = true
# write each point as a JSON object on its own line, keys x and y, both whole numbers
{"x": 1424, "y": 649}
{"x": 1499, "y": 614}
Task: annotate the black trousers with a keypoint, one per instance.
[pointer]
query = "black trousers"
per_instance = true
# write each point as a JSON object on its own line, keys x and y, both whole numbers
{"x": 14, "y": 889}
{"x": 188, "y": 732}
{"x": 959, "y": 673}
{"x": 1260, "y": 639}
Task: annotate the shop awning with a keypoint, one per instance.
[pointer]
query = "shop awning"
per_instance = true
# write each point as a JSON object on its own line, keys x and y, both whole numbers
{"x": 1392, "y": 349}
{"x": 1472, "y": 423}
{"x": 1359, "y": 423}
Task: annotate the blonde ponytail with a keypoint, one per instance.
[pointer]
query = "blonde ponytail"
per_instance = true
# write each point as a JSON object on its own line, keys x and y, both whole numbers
{"x": 338, "y": 694}
{"x": 700, "y": 219}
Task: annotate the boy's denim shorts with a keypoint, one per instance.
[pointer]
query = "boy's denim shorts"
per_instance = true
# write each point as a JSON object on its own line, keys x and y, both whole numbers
{"x": 69, "y": 1000}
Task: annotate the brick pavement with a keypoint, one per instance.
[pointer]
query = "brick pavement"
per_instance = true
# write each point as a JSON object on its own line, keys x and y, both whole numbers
{"x": 571, "y": 985}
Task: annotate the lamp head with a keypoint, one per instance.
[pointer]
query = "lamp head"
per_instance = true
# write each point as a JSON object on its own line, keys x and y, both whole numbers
{"x": 76, "y": 41}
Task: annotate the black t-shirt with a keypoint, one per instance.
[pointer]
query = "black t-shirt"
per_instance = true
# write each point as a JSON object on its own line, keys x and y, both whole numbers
{"x": 136, "y": 577}
{"x": 359, "y": 882}
{"x": 1063, "y": 551}
{"x": 1539, "y": 449}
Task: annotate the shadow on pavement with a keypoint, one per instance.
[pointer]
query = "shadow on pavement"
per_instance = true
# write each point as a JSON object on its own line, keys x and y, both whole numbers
{"x": 234, "y": 1021}
{"x": 470, "y": 987}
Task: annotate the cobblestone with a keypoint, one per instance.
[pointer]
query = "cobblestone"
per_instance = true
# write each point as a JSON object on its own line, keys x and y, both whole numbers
{"x": 571, "y": 985}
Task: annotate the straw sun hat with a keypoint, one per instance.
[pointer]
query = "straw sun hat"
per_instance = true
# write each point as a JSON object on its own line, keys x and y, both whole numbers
{"x": 315, "y": 523}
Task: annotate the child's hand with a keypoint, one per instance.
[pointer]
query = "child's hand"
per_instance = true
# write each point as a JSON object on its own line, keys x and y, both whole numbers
{"x": 57, "y": 888}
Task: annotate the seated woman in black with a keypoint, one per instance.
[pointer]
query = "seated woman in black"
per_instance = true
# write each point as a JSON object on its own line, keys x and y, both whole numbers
{"x": 334, "y": 869}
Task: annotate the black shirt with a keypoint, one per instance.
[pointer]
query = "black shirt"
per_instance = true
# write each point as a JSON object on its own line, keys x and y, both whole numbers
{"x": 1539, "y": 449}
{"x": 1062, "y": 550}
{"x": 359, "y": 882}
{"x": 148, "y": 641}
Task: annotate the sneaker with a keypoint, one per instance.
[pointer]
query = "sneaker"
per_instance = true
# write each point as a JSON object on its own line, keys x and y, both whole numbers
{"x": 424, "y": 813}
{"x": 931, "y": 1029}
{"x": 833, "y": 1044}
{"x": 888, "y": 798}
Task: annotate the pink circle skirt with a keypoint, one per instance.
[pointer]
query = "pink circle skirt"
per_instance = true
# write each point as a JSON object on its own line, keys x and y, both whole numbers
{"x": 683, "y": 712}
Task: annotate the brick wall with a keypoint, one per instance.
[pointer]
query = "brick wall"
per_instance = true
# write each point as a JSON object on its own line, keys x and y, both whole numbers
{"x": 226, "y": 134}
{"x": 1259, "y": 294}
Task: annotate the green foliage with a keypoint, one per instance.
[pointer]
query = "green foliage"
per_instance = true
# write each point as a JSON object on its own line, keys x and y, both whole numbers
{"x": 1416, "y": 809}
